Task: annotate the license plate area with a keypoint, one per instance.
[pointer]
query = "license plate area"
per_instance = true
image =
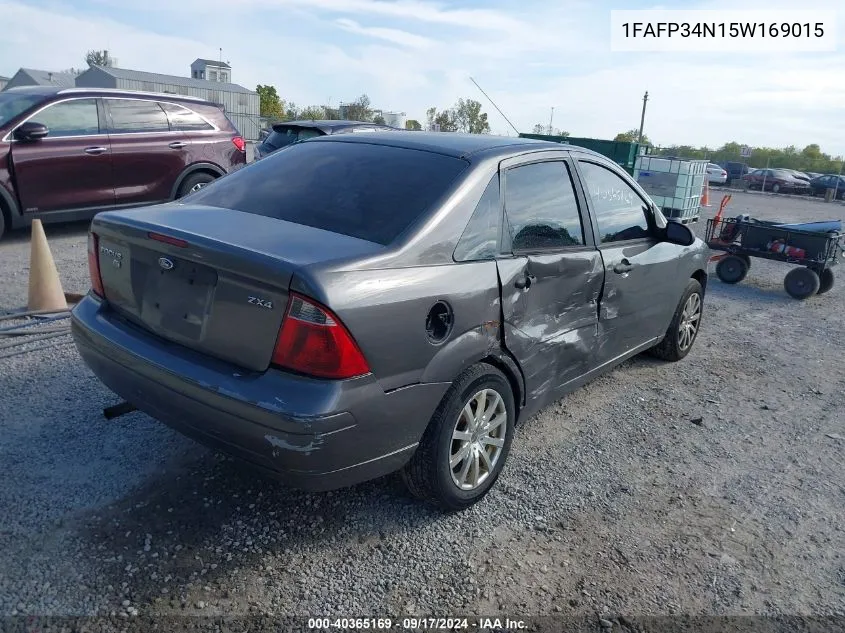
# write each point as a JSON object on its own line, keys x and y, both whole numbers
{"x": 177, "y": 297}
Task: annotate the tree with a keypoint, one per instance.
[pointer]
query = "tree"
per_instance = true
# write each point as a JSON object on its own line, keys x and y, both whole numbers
{"x": 413, "y": 124}
{"x": 539, "y": 128}
{"x": 430, "y": 115}
{"x": 312, "y": 113}
{"x": 359, "y": 110}
{"x": 446, "y": 121}
{"x": 270, "y": 103}
{"x": 98, "y": 58}
{"x": 631, "y": 137}
{"x": 379, "y": 120}
{"x": 469, "y": 117}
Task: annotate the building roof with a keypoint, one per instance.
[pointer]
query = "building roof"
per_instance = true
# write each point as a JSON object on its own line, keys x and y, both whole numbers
{"x": 212, "y": 62}
{"x": 2, "y": 78}
{"x": 174, "y": 80}
{"x": 48, "y": 78}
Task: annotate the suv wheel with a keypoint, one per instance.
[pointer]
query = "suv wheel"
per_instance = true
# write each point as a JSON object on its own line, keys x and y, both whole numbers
{"x": 466, "y": 442}
{"x": 193, "y": 183}
{"x": 686, "y": 322}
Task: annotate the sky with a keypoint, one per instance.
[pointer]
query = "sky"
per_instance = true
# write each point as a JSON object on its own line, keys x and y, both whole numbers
{"x": 529, "y": 56}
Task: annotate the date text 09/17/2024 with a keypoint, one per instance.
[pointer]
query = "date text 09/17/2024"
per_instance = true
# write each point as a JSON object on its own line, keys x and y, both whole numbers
{"x": 723, "y": 29}
{"x": 416, "y": 623}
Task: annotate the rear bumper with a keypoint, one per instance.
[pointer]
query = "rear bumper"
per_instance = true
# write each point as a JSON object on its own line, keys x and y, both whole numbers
{"x": 311, "y": 434}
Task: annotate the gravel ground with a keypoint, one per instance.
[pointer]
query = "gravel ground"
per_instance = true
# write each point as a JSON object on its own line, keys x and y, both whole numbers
{"x": 712, "y": 486}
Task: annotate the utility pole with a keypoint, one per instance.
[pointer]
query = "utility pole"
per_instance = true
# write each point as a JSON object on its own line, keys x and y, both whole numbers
{"x": 551, "y": 118}
{"x": 642, "y": 118}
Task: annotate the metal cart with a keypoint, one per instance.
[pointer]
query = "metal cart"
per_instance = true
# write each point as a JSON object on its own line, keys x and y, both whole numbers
{"x": 815, "y": 247}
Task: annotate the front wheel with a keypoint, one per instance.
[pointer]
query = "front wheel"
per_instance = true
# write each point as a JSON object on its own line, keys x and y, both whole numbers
{"x": 732, "y": 269}
{"x": 801, "y": 283}
{"x": 683, "y": 330}
{"x": 466, "y": 442}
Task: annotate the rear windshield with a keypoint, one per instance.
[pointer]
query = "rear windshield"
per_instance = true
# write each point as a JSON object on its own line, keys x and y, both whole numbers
{"x": 372, "y": 192}
{"x": 287, "y": 135}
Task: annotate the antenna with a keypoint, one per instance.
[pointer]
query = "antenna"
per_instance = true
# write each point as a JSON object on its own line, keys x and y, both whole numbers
{"x": 494, "y": 105}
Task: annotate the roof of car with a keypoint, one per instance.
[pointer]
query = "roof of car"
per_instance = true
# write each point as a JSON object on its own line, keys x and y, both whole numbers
{"x": 327, "y": 125}
{"x": 451, "y": 143}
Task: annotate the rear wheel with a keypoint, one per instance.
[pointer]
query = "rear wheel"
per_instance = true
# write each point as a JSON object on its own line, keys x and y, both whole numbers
{"x": 732, "y": 269}
{"x": 683, "y": 330}
{"x": 825, "y": 281}
{"x": 466, "y": 442}
{"x": 193, "y": 183}
{"x": 2, "y": 222}
{"x": 801, "y": 283}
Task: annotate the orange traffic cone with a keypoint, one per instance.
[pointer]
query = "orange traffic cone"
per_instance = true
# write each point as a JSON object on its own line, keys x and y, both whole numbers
{"x": 45, "y": 287}
{"x": 705, "y": 197}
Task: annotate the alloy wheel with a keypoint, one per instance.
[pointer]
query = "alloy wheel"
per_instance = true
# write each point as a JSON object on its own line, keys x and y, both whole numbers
{"x": 690, "y": 319}
{"x": 478, "y": 439}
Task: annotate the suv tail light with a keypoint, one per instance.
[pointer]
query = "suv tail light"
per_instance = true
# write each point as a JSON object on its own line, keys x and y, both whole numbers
{"x": 94, "y": 265}
{"x": 239, "y": 142}
{"x": 314, "y": 342}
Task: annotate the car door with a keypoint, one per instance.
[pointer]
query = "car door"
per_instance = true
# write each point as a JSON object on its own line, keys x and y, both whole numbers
{"x": 641, "y": 284}
{"x": 148, "y": 157}
{"x": 550, "y": 274}
{"x": 70, "y": 168}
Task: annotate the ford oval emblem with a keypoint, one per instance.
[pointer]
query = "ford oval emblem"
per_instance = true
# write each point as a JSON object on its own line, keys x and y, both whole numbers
{"x": 165, "y": 263}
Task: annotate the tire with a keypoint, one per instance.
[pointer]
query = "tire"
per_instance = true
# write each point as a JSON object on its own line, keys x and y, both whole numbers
{"x": 685, "y": 325}
{"x": 2, "y": 222}
{"x": 193, "y": 183}
{"x": 747, "y": 261}
{"x": 428, "y": 475}
{"x": 732, "y": 269}
{"x": 826, "y": 280}
{"x": 801, "y": 283}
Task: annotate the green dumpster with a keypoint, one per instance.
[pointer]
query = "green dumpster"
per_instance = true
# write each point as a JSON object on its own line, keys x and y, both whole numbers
{"x": 622, "y": 153}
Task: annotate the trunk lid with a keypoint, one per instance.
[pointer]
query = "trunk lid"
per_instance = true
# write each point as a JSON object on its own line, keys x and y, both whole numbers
{"x": 214, "y": 280}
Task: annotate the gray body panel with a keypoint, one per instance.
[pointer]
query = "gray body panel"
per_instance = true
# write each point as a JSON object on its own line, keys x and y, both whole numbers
{"x": 578, "y": 319}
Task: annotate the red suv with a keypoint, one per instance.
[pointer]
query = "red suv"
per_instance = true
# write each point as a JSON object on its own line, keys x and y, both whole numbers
{"x": 66, "y": 154}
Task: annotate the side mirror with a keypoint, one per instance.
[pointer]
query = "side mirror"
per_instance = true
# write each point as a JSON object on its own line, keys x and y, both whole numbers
{"x": 677, "y": 233}
{"x": 31, "y": 131}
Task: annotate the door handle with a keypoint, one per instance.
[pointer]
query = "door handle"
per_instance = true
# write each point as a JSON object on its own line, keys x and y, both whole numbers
{"x": 623, "y": 267}
{"x": 177, "y": 145}
{"x": 524, "y": 281}
{"x": 95, "y": 151}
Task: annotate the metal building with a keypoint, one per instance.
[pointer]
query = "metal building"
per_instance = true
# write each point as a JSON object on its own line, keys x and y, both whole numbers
{"x": 32, "y": 77}
{"x": 3, "y": 82}
{"x": 240, "y": 104}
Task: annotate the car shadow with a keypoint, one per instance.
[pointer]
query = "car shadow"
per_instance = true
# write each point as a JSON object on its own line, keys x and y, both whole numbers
{"x": 199, "y": 523}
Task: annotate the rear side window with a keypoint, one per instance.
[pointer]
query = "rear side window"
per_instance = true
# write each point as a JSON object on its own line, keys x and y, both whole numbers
{"x": 480, "y": 239}
{"x": 136, "y": 115}
{"x": 371, "y": 192}
{"x": 185, "y": 120}
{"x": 541, "y": 207}
{"x": 620, "y": 211}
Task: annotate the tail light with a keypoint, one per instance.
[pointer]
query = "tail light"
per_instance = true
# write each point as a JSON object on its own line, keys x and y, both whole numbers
{"x": 314, "y": 342}
{"x": 94, "y": 265}
{"x": 239, "y": 142}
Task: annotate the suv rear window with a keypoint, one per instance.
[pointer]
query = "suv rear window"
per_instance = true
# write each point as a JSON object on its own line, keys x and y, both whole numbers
{"x": 282, "y": 136}
{"x": 371, "y": 192}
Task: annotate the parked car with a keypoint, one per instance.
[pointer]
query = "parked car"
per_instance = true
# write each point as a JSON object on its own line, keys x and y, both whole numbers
{"x": 736, "y": 171}
{"x": 399, "y": 302}
{"x": 800, "y": 175}
{"x": 69, "y": 153}
{"x": 716, "y": 175}
{"x": 818, "y": 186}
{"x": 283, "y": 134}
{"x": 776, "y": 180}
